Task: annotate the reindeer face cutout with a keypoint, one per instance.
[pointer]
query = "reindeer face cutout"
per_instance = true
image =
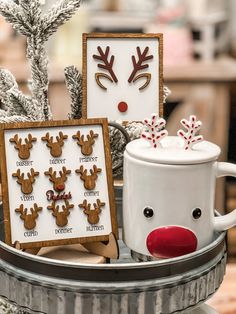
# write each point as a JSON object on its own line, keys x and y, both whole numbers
{"x": 89, "y": 180}
{"x": 58, "y": 181}
{"x": 93, "y": 214}
{"x": 26, "y": 184}
{"x": 124, "y": 77}
{"x": 86, "y": 145}
{"x": 55, "y": 146}
{"x": 24, "y": 149}
{"x": 29, "y": 219}
{"x": 61, "y": 216}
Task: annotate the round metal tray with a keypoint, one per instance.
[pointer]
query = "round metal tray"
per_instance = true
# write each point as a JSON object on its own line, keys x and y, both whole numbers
{"x": 43, "y": 285}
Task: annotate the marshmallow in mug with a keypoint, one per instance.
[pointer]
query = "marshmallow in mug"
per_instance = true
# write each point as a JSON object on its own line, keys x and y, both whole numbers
{"x": 169, "y": 189}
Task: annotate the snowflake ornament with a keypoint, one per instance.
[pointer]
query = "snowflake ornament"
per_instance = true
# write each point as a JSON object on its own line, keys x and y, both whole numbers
{"x": 192, "y": 126}
{"x": 155, "y": 131}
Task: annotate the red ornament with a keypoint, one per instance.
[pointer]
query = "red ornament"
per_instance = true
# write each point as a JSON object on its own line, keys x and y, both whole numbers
{"x": 122, "y": 106}
{"x": 171, "y": 241}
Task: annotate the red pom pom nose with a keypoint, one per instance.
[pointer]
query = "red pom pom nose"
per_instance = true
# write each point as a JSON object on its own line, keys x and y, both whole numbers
{"x": 122, "y": 106}
{"x": 171, "y": 241}
{"x": 60, "y": 187}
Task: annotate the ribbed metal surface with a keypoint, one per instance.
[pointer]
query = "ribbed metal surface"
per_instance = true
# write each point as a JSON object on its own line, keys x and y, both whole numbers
{"x": 44, "y": 294}
{"x": 40, "y": 285}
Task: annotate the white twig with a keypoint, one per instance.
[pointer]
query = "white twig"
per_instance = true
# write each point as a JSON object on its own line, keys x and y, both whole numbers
{"x": 192, "y": 126}
{"x": 155, "y": 131}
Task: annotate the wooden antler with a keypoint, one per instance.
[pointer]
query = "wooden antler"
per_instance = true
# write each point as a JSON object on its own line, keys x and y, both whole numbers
{"x": 107, "y": 64}
{"x": 51, "y": 174}
{"x": 24, "y": 149}
{"x": 47, "y": 138}
{"x": 30, "y": 140}
{"x": 97, "y": 206}
{"x": 35, "y": 211}
{"x": 93, "y": 214}
{"x": 64, "y": 173}
{"x": 16, "y": 140}
{"x": 29, "y": 219}
{"x": 19, "y": 176}
{"x": 79, "y": 138}
{"x": 86, "y": 146}
{"x": 61, "y": 217}
{"x": 89, "y": 180}
{"x": 55, "y": 147}
{"x": 138, "y": 65}
{"x": 60, "y": 139}
{"x": 54, "y": 208}
{"x": 32, "y": 175}
{"x": 58, "y": 182}
{"x": 66, "y": 208}
{"x": 26, "y": 184}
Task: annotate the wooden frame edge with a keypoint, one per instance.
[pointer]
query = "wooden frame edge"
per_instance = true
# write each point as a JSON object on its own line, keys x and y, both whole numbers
{"x": 122, "y": 35}
{"x": 3, "y": 166}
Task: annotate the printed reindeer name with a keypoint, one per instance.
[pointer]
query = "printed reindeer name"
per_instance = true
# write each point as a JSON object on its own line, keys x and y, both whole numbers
{"x": 61, "y": 216}
{"x": 55, "y": 146}
{"x": 93, "y": 214}
{"x": 29, "y": 219}
{"x": 51, "y": 196}
{"x": 58, "y": 181}
{"x": 26, "y": 184}
{"x": 89, "y": 180}
{"x": 24, "y": 149}
{"x": 86, "y": 145}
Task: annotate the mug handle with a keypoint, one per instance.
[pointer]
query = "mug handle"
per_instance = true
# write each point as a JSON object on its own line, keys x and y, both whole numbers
{"x": 227, "y": 221}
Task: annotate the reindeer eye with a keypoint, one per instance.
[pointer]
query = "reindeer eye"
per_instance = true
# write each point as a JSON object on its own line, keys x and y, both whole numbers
{"x": 148, "y": 212}
{"x": 197, "y": 212}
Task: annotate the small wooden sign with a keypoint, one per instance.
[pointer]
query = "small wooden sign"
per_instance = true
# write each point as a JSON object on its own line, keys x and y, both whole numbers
{"x": 57, "y": 182}
{"x": 122, "y": 76}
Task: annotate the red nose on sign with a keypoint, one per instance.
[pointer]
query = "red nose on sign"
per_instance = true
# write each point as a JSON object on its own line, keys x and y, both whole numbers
{"x": 122, "y": 106}
{"x": 171, "y": 241}
{"x": 60, "y": 187}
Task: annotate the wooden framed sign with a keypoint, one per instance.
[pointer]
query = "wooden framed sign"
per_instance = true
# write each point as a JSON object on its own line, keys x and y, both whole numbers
{"x": 122, "y": 76}
{"x": 57, "y": 182}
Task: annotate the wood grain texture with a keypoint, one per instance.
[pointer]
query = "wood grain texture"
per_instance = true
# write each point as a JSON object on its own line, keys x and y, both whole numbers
{"x": 50, "y": 124}
{"x": 87, "y": 36}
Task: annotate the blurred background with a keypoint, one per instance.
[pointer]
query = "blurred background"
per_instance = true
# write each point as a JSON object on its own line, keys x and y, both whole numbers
{"x": 199, "y": 65}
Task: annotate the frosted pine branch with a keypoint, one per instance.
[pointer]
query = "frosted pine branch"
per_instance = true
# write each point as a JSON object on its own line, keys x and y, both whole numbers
{"x": 192, "y": 126}
{"x": 166, "y": 93}
{"x": 12, "y": 119}
{"x": 14, "y": 15}
{"x": 155, "y": 130}
{"x": 32, "y": 11}
{"x": 61, "y": 12}
{"x": 74, "y": 86}
{"x": 7, "y": 81}
{"x": 27, "y": 18}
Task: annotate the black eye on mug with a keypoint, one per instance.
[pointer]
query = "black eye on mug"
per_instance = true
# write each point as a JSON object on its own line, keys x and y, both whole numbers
{"x": 197, "y": 212}
{"x": 148, "y": 212}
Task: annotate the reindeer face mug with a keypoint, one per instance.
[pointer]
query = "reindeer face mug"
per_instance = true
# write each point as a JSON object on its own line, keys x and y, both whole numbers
{"x": 169, "y": 189}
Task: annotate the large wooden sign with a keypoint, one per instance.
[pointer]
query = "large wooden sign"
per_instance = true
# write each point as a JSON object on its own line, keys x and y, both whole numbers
{"x": 57, "y": 182}
{"x": 122, "y": 76}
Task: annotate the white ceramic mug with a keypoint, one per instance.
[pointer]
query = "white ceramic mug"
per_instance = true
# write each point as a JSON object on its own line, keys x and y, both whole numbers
{"x": 168, "y": 197}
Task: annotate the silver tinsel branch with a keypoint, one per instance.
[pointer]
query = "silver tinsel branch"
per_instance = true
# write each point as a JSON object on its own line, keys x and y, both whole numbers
{"x": 27, "y": 18}
{"x": 74, "y": 86}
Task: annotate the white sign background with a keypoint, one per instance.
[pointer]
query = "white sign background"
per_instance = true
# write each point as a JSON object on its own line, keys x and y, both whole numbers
{"x": 40, "y": 155}
{"x": 104, "y": 103}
